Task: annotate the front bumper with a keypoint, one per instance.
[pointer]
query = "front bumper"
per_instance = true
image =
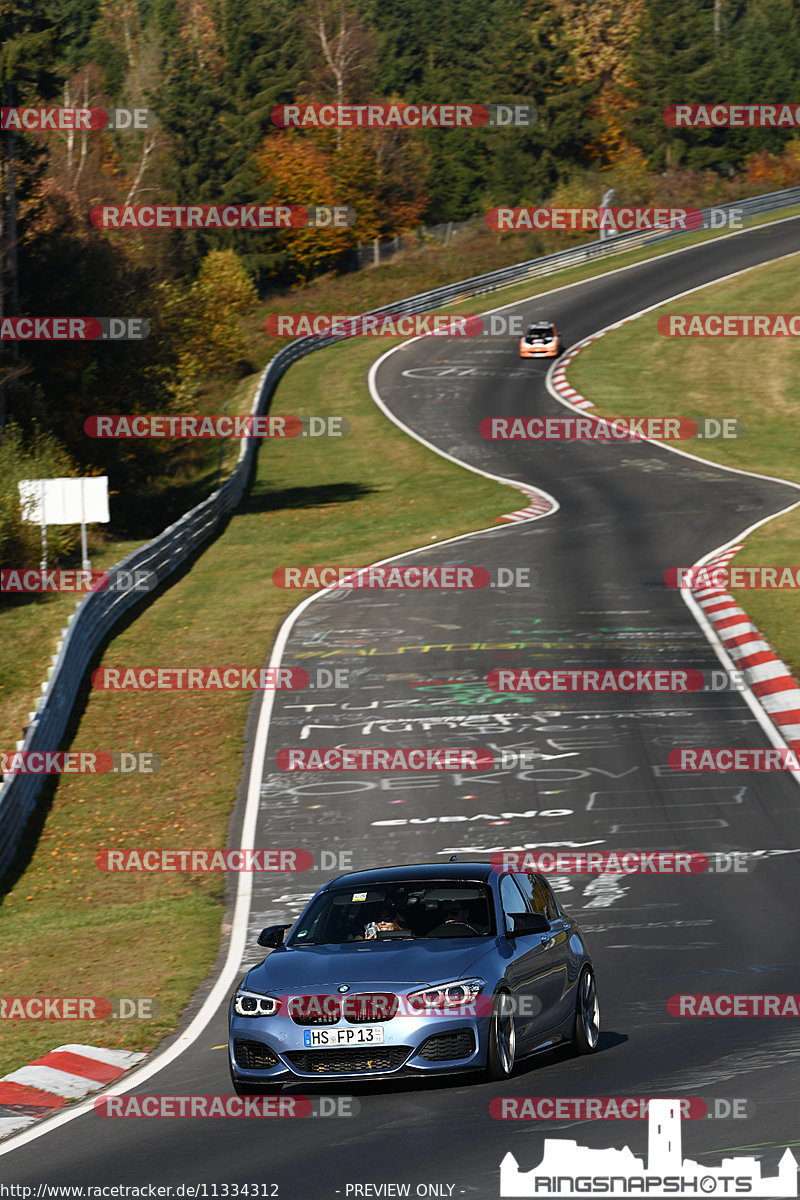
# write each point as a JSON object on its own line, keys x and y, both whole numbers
{"x": 413, "y": 1045}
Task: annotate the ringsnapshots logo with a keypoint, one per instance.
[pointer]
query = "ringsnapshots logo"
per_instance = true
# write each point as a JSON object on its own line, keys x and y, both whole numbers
{"x": 61, "y": 119}
{"x": 78, "y": 762}
{"x": 220, "y": 425}
{"x": 625, "y": 429}
{"x": 404, "y": 116}
{"x": 74, "y": 329}
{"x": 222, "y": 216}
{"x": 568, "y": 1169}
{"x": 217, "y": 679}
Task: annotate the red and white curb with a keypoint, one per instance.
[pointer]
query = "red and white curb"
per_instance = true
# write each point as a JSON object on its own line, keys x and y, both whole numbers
{"x": 772, "y": 693}
{"x": 540, "y": 504}
{"x": 766, "y": 675}
{"x": 558, "y": 378}
{"x": 67, "y": 1073}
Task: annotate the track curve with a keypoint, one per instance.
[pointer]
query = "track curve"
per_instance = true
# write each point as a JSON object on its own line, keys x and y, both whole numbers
{"x": 627, "y": 511}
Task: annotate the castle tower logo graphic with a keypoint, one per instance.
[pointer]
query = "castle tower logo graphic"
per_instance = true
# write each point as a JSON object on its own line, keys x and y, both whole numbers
{"x": 568, "y": 1169}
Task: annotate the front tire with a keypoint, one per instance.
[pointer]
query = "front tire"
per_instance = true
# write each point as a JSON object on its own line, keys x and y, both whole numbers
{"x": 502, "y": 1039}
{"x": 586, "y": 1032}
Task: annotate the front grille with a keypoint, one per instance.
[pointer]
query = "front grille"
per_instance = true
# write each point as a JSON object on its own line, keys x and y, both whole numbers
{"x": 348, "y": 1061}
{"x": 365, "y": 1008}
{"x": 459, "y": 1043}
{"x": 315, "y": 1010}
{"x": 253, "y": 1056}
{"x": 362, "y": 1008}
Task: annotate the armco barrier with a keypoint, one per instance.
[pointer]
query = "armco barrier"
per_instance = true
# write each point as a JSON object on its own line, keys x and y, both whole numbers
{"x": 99, "y": 612}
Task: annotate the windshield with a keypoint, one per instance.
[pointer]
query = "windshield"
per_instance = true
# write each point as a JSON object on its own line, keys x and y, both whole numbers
{"x": 539, "y": 331}
{"x": 397, "y": 911}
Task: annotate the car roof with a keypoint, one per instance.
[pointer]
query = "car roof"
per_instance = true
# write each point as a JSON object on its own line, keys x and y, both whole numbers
{"x": 411, "y": 872}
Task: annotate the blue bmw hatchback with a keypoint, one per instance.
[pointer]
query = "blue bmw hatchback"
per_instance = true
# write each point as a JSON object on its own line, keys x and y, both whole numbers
{"x": 414, "y": 970}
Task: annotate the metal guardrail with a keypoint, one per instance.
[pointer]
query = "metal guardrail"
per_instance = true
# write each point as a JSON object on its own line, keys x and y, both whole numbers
{"x": 99, "y": 612}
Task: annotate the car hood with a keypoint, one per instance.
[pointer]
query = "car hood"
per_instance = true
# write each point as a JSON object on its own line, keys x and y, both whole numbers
{"x": 396, "y": 965}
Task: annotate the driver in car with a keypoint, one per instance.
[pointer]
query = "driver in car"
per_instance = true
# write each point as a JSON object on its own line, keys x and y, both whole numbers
{"x": 453, "y": 912}
{"x": 388, "y": 918}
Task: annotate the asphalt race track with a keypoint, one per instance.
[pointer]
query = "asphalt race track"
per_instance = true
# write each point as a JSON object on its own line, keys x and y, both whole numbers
{"x": 600, "y": 779}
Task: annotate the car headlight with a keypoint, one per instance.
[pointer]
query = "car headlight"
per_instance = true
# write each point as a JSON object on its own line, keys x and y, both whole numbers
{"x": 251, "y": 1004}
{"x": 460, "y": 994}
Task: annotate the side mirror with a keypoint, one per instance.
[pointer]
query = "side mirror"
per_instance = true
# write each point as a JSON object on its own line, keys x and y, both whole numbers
{"x": 529, "y": 923}
{"x": 272, "y": 936}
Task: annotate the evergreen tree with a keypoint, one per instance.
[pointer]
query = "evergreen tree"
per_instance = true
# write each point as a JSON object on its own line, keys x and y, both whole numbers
{"x": 673, "y": 61}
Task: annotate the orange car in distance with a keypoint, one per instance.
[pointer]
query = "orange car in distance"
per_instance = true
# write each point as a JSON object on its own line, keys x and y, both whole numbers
{"x": 540, "y": 341}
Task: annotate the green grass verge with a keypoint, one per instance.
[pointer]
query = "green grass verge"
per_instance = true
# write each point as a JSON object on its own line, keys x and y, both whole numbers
{"x": 636, "y": 372}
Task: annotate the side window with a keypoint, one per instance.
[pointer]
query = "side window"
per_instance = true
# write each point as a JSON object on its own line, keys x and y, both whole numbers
{"x": 511, "y": 898}
{"x": 535, "y": 899}
{"x": 552, "y": 910}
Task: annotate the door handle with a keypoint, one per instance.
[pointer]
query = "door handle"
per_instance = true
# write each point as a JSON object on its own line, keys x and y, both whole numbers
{"x": 546, "y": 938}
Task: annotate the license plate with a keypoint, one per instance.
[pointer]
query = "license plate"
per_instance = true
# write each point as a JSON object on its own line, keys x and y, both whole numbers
{"x": 359, "y": 1035}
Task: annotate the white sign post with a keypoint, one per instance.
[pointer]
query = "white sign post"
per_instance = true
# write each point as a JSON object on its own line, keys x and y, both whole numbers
{"x": 65, "y": 502}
